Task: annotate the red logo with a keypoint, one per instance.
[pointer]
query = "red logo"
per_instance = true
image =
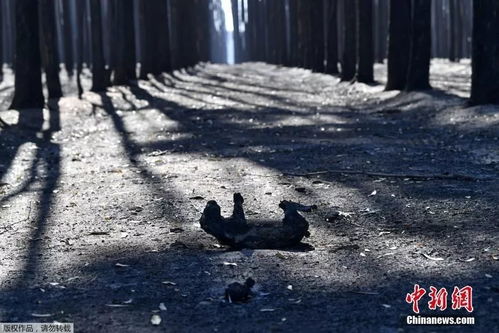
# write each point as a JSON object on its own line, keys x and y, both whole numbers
{"x": 461, "y": 298}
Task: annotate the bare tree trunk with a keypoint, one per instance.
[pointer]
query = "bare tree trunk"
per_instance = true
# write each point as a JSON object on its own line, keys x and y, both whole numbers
{"x": 80, "y": 26}
{"x": 348, "y": 65}
{"x": 365, "y": 49}
{"x": 99, "y": 77}
{"x": 125, "y": 67}
{"x": 317, "y": 39}
{"x": 28, "y": 82}
{"x": 418, "y": 73}
{"x": 68, "y": 38}
{"x": 398, "y": 44}
{"x": 48, "y": 48}
{"x": 485, "y": 67}
{"x": 332, "y": 37}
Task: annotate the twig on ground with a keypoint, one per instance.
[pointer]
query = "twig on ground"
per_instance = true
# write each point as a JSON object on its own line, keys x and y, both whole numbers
{"x": 390, "y": 175}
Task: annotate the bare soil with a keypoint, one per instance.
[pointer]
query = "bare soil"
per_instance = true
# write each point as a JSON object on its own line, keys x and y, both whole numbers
{"x": 100, "y": 202}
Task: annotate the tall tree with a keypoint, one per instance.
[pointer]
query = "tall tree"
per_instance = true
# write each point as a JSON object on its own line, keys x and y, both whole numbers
{"x": 418, "y": 72}
{"x": 50, "y": 59}
{"x": 399, "y": 43}
{"x": 68, "y": 36}
{"x": 317, "y": 39}
{"x": 485, "y": 53}
{"x": 1, "y": 42}
{"x": 332, "y": 37}
{"x": 148, "y": 36}
{"x": 99, "y": 77}
{"x": 125, "y": 66}
{"x": 28, "y": 78}
{"x": 349, "y": 58}
{"x": 365, "y": 51}
{"x": 164, "y": 63}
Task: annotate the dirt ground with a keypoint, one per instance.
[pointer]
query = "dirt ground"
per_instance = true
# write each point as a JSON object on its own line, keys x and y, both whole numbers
{"x": 100, "y": 202}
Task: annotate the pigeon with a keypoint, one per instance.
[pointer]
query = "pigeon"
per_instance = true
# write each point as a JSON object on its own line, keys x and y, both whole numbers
{"x": 237, "y": 292}
{"x": 237, "y": 232}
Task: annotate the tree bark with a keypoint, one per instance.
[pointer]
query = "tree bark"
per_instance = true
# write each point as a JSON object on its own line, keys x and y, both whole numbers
{"x": 365, "y": 57}
{"x": 28, "y": 82}
{"x": 317, "y": 38}
{"x": 164, "y": 63}
{"x": 68, "y": 38}
{"x": 348, "y": 65}
{"x": 125, "y": 67}
{"x": 99, "y": 77}
{"x": 418, "y": 72}
{"x": 485, "y": 53}
{"x": 332, "y": 37}
{"x": 398, "y": 44}
{"x": 48, "y": 48}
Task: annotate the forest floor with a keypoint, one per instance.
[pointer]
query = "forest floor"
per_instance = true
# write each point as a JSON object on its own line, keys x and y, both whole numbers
{"x": 100, "y": 202}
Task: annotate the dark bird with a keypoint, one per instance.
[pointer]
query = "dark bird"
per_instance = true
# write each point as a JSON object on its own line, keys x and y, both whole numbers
{"x": 237, "y": 232}
{"x": 237, "y": 292}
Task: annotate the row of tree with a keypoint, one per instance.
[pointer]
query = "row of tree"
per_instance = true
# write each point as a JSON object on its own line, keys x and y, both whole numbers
{"x": 113, "y": 36}
{"x": 110, "y": 36}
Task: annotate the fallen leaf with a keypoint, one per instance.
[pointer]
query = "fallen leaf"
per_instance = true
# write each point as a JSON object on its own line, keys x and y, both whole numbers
{"x": 162, "y": 306}
{"x": 488, "y": 276}
{"x": 117, "y": 305}
{"x": 381, "y": 233}
{"x": 373, "y": 193}
{"x": 301, "y": 189}
{"x": 495, "y": 257}
{"x": 41, "y": 315}
{"x": 231, "y": 264}
{"x": 289, "y": 287}
{"x": 155, "y": 320}
{"x": 169, "y": 283}
{"x": 427, "y": 256}
{"x": 267, "y": 310}
{"x": 469, "y": 260}
{"x": 197, "y": 197}
{"x": 176, "y": 230}
{"x": 386, "y": 306}
{"x": 121, "y": 265}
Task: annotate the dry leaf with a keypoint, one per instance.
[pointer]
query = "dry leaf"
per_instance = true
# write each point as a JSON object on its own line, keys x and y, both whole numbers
{"x": 41, "y": 315}
{"x": 231, "y": 264}
{"x": 267, "y": 310}
{"x": 169, "y": 283}
{"x": 162, "y": 306}
{"x": 121, "y": 265}
{"x": 373, "y": 193}
{"x": 427, "y": 256}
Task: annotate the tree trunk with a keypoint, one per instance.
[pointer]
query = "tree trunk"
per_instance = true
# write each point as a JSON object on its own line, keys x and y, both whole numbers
{"x": 28, "y": 82}
{"x": 452, "y": 29}
{"x": 317, "y": 38}
{"x": 485, "y": 53}
{"x": 398, "y": 44}
{"x": 99, "y": 77}
{"x": 80, "y": 26}
{"x": 365, "y": 43}
{"x": 125, "y": 67}
{"x": 48, "y": 48}
{"x": 68, "y": 37}
{"x": 332, "y": 37}
{"x": 418, "y": 75}
{"x": 1, "y": 42}
{"x": 163, "y": 30}
{"x": 148, "y": 36}
{"x": 348, "y": 65}
{"x": 236, "y": 33}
